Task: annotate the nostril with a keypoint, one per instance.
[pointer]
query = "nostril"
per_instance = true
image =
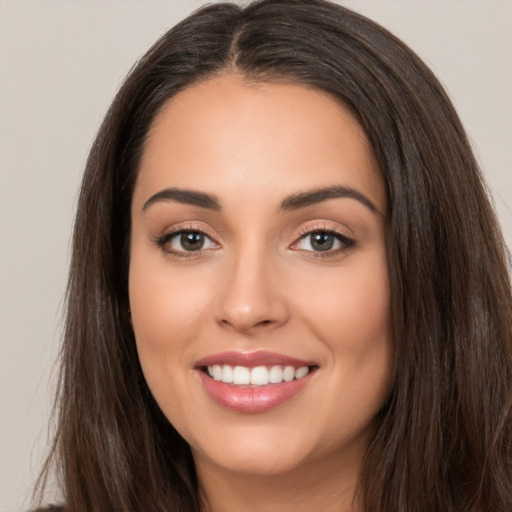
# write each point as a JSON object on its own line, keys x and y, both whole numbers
{"x": 264, "y": 323}
{"x": 246, "y": 326}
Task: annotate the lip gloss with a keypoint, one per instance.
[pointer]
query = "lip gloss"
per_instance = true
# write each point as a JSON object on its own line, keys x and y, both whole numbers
{"x": 250, "y": 398}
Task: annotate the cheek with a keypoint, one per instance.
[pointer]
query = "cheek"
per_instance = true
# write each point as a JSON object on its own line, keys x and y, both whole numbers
{"x": 350, "y": 309}
{"x": 165, "y": 315}
{"x": 351, "y": 316}
{"x": 352, "y": 319}
{"x": 166, "y": 312}
{"x": 166, "y": 303}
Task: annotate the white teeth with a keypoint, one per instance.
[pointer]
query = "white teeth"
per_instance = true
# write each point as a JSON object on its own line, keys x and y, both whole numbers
{"x": 257, "y": 376}
{"x": 217, "y": 372}
{"x": 288, "y": 373}
{"x": 275, "y": 375}
{"x": 227, "y": 374}
{"x": 301, "y": 372}
{"x": 241, "y": 375}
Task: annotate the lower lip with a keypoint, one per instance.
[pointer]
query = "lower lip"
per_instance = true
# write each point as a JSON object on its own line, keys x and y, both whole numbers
{"x": 252, "y": 399}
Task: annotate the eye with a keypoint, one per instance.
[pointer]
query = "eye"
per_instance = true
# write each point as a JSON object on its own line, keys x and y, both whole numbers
{"x": 323, "y": 241}
{"x": 185, "y": 241}
{"x": 188, "y": 241}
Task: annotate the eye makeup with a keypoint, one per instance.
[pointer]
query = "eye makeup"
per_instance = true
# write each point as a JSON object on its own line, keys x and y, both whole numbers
{"x": 190, "y": 241}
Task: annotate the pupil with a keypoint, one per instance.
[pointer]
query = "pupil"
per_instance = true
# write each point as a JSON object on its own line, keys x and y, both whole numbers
{"x": 192, "y": 241}
{"x": 322, "y": 241}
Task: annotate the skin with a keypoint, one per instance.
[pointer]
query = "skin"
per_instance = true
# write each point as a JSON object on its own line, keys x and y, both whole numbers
{"x": 258, "y": 284}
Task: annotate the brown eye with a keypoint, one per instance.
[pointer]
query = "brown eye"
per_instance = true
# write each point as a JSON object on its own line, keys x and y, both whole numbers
{"x": 322, "y": 241}
{"x": 185, "y": 241}
{"x": 192, "y": 240}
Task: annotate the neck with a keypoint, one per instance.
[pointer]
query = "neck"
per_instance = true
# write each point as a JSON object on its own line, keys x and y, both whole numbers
{"x": 317, "y": 486}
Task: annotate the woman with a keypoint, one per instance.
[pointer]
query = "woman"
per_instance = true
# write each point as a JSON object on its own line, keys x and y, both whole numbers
{"x": 288, "y": 289}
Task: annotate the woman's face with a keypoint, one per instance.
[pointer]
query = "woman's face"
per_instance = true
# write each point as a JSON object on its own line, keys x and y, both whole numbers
{"x": 258, "y": 277}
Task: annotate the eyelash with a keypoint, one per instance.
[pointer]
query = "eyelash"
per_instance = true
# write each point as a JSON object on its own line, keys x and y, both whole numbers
{"x": 346, "y": 242}
{"x": 163, "y": 240}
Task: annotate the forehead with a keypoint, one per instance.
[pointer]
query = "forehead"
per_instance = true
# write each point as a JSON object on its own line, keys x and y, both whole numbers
{"x": 264, "y": 137}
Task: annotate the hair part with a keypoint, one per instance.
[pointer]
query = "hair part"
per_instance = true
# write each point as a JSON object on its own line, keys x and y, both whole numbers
{"x": 442, "y": 441}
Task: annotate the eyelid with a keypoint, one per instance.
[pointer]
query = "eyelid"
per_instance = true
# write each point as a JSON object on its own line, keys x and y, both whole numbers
{"x": 171, "y": 237}
{"x": 163, "y": 239}
{"x": 347, "y": 242}
{"x": 322, "y": 225}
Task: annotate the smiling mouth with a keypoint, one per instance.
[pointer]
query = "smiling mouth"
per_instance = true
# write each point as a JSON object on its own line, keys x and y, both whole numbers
{"x": 254, "y": 382}
{"x": 257, "y": 376}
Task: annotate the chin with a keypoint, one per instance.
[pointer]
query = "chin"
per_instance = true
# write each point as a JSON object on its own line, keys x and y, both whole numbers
{"x": 255, "y": 461}
{"x": 249, "y": 451}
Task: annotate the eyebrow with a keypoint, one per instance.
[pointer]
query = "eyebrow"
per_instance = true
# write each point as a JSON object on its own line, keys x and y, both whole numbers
{"x": 311, "y": 197}
{"x": 293, "y": 202}
{"x": 183, "y": 196}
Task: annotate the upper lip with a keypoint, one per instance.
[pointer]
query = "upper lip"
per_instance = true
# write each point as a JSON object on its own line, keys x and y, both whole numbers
{"x": 252, "y": 359}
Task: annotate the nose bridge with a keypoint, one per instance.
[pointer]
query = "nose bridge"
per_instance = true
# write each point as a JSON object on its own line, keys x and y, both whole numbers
{"x": 250, "y": 298}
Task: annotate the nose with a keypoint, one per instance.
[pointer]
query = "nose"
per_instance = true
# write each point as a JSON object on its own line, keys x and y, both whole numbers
{"x": 252, "y": 298}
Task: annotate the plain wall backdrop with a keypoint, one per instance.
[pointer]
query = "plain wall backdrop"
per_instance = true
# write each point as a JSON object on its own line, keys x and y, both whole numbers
{"x": 62, "y": 61}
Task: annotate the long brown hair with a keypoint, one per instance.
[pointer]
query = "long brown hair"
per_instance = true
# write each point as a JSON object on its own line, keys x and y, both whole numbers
{"x": 442, "y": 441}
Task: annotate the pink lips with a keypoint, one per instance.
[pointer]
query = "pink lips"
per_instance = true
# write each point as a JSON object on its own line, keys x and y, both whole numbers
{"x": 252, "y": 359}
{"x": 249, "y": 399}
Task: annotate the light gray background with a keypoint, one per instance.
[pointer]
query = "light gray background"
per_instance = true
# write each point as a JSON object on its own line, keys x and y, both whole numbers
{"x": 60, "y": 65}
